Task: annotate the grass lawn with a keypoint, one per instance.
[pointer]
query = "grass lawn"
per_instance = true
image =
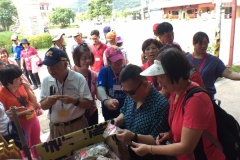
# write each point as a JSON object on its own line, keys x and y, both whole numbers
{"x": 235, "y": 68}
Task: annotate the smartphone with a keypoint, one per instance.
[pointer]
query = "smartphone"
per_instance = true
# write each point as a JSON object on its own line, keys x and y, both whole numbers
{"x": 52, "y": 90}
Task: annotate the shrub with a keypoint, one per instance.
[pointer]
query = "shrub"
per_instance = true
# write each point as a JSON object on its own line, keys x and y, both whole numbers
{"x": 40, "y": 41}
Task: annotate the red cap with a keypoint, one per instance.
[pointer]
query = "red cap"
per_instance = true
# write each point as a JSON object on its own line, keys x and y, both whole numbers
{"x": 155, "y": 26}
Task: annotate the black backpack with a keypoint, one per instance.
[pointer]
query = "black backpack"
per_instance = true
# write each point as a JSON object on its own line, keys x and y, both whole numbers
{"x": 228, "y": 131}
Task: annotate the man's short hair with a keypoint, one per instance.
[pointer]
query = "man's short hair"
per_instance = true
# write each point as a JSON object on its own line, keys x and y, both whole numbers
{"x": 9, "y": 73}
{"x": 95, "y": 32}
{"x": 131, "y": 72}
{"x": 164, "y": 27}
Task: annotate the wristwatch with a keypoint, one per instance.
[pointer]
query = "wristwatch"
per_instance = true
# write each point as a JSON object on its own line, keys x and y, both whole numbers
{"x": 135, "y": 138}
{"x": 77, "y": 102}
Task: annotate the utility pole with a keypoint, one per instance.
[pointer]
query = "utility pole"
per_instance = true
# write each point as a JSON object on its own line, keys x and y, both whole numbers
{"x": 234, "y": 10}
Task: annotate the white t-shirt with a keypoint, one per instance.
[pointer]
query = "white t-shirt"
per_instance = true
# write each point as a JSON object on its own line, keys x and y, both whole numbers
{"x": 4, "y": 120}
{"x": 76, "y": 86}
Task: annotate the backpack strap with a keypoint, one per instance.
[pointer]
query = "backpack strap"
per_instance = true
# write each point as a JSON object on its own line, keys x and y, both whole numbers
{"x": 190, "y": 93}
{"x": 205, "y": 133}
{"x": 193, "y": 70}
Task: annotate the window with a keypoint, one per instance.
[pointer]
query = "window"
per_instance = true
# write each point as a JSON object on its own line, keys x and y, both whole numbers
{"x": 174, "y": 12}
{"x": 190, "y": 12}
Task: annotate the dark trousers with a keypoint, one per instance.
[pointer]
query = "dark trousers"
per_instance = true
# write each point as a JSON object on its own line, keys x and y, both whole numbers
{"x": 18, "y": 62}
{"x": 93, "y": 119}
{"x": 34, "y": 77}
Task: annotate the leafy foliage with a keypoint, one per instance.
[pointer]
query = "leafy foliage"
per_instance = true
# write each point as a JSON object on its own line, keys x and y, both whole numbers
{"x": 119, "y": 5}
{"x": 81, "y": 16}
{"x": 41, "y": 41}
{"x": 99, "y": 9}
{"x": 7, "y": 11}
{"x": 62, "y": 16}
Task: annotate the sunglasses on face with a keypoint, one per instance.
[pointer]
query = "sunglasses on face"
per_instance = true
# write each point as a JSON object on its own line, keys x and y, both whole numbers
{"x": 131, "y": 93}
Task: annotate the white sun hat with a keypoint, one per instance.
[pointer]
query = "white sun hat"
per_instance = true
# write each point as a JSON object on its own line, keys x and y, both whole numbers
{"x": 154, "y": 70}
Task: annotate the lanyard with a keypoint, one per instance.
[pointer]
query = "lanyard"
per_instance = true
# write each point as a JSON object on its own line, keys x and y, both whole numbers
{"x": 62, "y": 86}
{"x": 115, "y": 76}
{"x": 201, "y": 64}
{"x": 21, "y": 99}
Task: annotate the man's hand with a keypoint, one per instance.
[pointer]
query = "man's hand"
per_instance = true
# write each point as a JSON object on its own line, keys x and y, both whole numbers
{"x": 112, "y": 104}
{"x": 67, "y": 99}
{"x": 125, "y": 135}
{"x": 52, "y": 99}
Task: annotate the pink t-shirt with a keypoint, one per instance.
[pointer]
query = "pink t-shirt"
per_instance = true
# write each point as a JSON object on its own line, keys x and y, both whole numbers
{"x": 26, "y": 55}
{"x": 199, "y": 115}
{"x": 93, "y": 87}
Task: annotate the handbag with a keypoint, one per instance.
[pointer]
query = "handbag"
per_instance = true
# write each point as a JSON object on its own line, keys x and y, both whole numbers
{"x": 13, "y": 134}
{"x": 34, "y": 62}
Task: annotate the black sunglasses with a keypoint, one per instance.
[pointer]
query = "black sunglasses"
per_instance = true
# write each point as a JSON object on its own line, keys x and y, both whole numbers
{"x": 131, "y": 93}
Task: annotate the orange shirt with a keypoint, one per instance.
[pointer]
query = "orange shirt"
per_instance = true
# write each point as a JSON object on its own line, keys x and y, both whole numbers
{"x": 8, "y": 100}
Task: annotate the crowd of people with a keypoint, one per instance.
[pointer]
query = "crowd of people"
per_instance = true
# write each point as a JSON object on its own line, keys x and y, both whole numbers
{"x": 145, "y": 101}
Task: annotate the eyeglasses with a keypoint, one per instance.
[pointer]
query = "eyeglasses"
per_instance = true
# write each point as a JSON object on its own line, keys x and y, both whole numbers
{"x": 131, "y": 93}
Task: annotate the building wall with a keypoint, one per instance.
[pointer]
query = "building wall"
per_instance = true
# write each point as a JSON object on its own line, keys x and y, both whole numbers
{"x": 29, "y": 16}
{"x": 238, "y": 11}
{"x": 225, "y": 41}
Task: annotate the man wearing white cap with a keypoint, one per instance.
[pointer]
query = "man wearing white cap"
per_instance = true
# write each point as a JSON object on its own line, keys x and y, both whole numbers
{"x": 16, "y": 49}
{"x": 78, "y": 40}
{"x": 58, "y": 40}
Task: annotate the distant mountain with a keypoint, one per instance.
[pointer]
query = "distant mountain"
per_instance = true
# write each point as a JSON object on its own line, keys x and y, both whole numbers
{"x": 81, "y": 5}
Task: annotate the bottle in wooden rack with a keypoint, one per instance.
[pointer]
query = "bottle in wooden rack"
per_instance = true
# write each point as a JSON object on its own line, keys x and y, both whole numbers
{"x": 11, "y": 141}
{"x": 3, "y": 155}
{"x": 4, "y": 148}
{"x": 14, "y": 153}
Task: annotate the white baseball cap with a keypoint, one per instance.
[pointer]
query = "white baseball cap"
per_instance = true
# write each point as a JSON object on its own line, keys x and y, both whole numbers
{"x": 154, "y": 70}
{"x": 14, "y": 37}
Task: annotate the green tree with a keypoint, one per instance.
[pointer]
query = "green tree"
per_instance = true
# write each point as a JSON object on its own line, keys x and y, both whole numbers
{"x": 7, "y": 11}
{"x": 81, "y": 16}
{"x": 62, "y": 16}
{"x": 99, "y": 9}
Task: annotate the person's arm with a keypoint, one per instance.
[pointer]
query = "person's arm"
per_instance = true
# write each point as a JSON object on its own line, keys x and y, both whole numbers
{"x": 48, "y": 102}
{"x": 22, "y": 63}
{"x": 25, "y": 112}
{"x": 127, "y": 136}
{"x": 119, "y": 121}
{"x": 31, "y": 96}
{"x": 230, "y": 74}
{"x": 189, "y": 141}
{"x": 102, "y": 93}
